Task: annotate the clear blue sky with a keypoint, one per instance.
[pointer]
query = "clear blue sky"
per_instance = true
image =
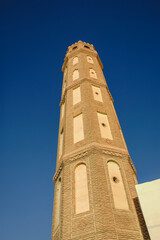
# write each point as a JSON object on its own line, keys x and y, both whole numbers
{"x": 34, "y": 36}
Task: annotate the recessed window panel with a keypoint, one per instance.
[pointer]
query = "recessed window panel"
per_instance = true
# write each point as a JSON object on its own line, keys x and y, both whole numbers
{"x": 76, "y": 95}
{"x": 104, "y": 126}
{"x": 92, "y": 73}
{"x": 75, "y": 60}
{"x": 97, "y": 93}
{"x": 62, "y": 109}
{"x": 81, "y": 189}
{"x": 78, "y": 131}
{"x": 61, "y": 144}
{"x": 57, "y": 202}
{"x": 89, "y": 59}
{"x": 75, "y": 74}
{"x": 118, "y": 190}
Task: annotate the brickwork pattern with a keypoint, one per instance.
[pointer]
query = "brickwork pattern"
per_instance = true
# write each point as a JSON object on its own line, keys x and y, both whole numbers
{"x": 103, "y": 221}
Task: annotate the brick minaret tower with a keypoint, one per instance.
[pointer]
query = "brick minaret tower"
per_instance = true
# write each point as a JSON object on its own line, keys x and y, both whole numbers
{"x": 95, "y": 196}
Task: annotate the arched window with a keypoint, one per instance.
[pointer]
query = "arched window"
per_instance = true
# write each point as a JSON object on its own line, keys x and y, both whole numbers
{"x": 118, "y": 190}
{"x": 89, "y": 59}
{"x": 92, "y": 73}
{"x": 81, "y": 189}
{"x": 75, "y": 60}
{"x": 75, "y": 74}
{"x": 57, "y": 202}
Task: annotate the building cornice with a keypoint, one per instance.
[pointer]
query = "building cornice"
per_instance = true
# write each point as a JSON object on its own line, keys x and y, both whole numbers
{"x": 112, "y": 153}
{"x": 88, "y": 149}
{"x": 83, "y": 154}
{"x": 92, "y": 148}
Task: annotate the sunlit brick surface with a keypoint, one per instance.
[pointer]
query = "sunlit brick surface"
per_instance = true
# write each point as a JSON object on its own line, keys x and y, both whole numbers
{"x": 100, "y": 218}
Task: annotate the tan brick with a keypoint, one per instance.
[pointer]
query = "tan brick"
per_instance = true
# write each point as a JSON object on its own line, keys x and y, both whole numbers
{"x": 103, "y": 221}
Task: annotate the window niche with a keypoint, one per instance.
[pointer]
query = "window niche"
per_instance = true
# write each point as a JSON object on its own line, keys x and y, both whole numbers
{"x": 89, "y": 59}
{"x": 75, "y": 74}
{"x": 64, "y": 86}
{"x": 75, "y": 60}
{"x": 57, "y": 201}
{"x": 61, "y": 143}
{"x": 92, "y": 73}
{"x": 81, "y": 189}
{"x": 62, "y": 110}
{"x": 104, "y": 126}
{"x": 76, "y": 95}
{"x": 117, "y": 185}
{"x": 78, "y": 132}
{"x": 97, "y": 93}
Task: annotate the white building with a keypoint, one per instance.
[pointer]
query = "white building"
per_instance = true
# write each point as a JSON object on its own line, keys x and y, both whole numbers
{"x": 149, "y": 198}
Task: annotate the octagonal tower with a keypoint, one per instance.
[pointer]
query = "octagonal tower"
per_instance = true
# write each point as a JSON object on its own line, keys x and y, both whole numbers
{"x": 95, "y": 196}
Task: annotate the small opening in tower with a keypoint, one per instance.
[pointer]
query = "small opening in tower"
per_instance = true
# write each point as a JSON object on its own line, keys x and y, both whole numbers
{"x": 74, "y": 47}
{"x": 115, "y": 179}
{"x": 103, "y": 124}
{"x": 62, "y": 131}
{"x": 96, "y": 93}
{"x": 60, "y": 179}
{"x": 86, "y": 46}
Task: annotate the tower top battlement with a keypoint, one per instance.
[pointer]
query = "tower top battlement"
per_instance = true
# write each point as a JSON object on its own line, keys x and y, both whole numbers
{"x": 80, "y": 46}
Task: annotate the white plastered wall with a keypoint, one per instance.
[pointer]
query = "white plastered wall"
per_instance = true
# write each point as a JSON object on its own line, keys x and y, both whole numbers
{"x": 118, "y": 190}
{"x": 81, "y": 189}
{"x": 78, "y": 131}
{"x": 76, "y": 95}
{"x": 97, "y": 93}
{"x": 149, "y": 198}
{"x": 104, "y": 126}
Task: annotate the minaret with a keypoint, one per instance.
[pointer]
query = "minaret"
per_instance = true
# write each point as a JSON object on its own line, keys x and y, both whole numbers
{"x": 95, "y": 196}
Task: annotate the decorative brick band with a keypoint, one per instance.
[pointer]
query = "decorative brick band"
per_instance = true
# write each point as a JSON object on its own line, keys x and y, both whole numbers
{"x": 79, "y": 156}
{"x": 58, "y": 172}
{"x": 78, "y": 82}
{"x": 112, "y": 153}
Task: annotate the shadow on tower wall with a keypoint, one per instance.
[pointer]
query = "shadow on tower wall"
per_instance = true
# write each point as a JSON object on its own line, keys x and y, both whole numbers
{"x": 142, "y": 222}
